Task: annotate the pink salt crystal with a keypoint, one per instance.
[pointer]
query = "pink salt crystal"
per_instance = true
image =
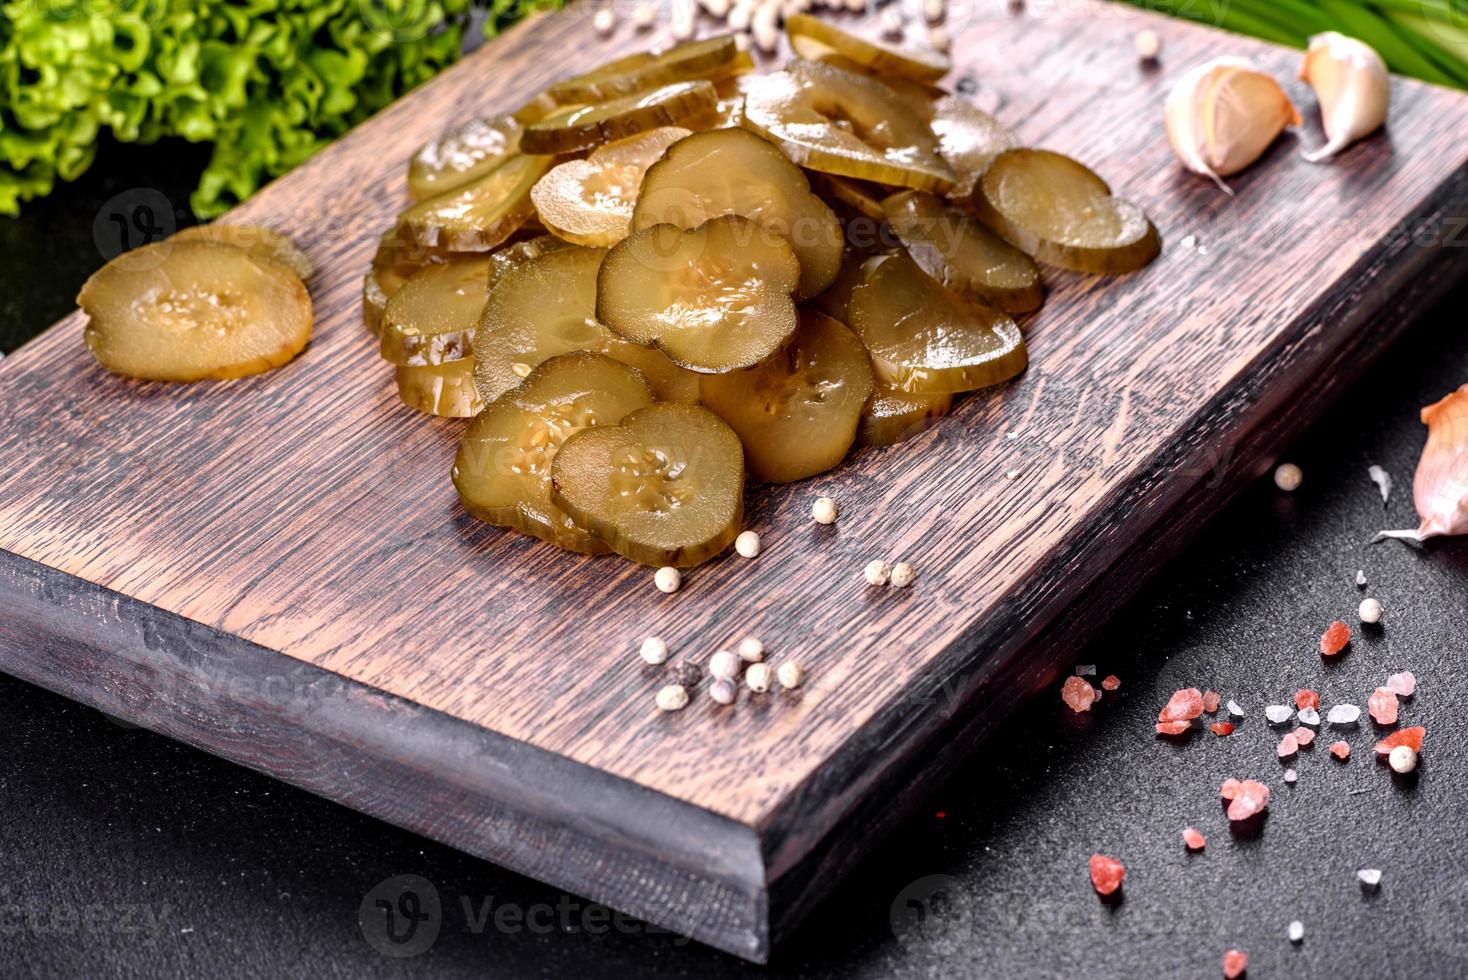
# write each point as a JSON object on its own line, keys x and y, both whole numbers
{"x": 1210, "y": 701}
{"x": 1172, "y": 727}
{"x": 1335, "y": 638}
{"x": 1110, "y": 682}
{"x": 1290, "y": 776}
{"x": 1078, "y": 694}
{"x": 1402, "y": 685}
{"x": 1193, "y": 839}
{"x": 1304, "y": 736}
{"x": 1221, "y": 728}
{"x": 1234, "y": 964}
{"x": 1229, "y": 789}
{"x": 1287, "y": 747}
{"x": 1184, "y": 705}
{"x": 1383, "y": 706}
{"x": 1252, "y": 797}
{"x": 1341, "y": 750}
{"x": 1106, "y": 874}
{"x": 1306, "y": 698}
{"x": 1407, "y": 736}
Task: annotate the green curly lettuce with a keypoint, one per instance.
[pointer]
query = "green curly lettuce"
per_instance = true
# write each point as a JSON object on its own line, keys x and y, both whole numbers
{"x": 267, "y": 82}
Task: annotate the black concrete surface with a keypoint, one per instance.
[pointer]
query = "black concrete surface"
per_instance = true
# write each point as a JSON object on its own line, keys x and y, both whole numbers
{"x": 123, "y": 854}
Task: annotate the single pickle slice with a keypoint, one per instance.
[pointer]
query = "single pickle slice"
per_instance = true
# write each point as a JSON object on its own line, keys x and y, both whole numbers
{"x": 466, "y": 152}
{"x": 432, "y": 319}
{"x": 508, "y": 257}
{"x": 964, "y": 255}
{"x": 797, "y": 411}
{"x": 919, "y": 97}
{"x": 733, "y": 171}
{"x": 924, "y": 339}
{"x": 835, "y": 302}
{"x": 862, "y": 196}
{"x": 394, "y": 264}
{"x": 503, "y": 467}
{"x": 811, "y": 36}
{"x": 592, "y": 125}
{"x": 480, "y": 214}
{"x": 446, "y": 389}
{"x": 715, "y": 298}
{"x": 1064, "y": 215}
{"x": 894, "y": 415}
{"x": 665, "y": 487}
{"x": 259, "y": 241}
{"x": 969, "y": 139}
{"x": 192, "y": 310}
{"x": 544, "y": 305}
{"x": 710, "y": 58}
{"x": 589, "y": 202}
{"x": 843, "y": 123}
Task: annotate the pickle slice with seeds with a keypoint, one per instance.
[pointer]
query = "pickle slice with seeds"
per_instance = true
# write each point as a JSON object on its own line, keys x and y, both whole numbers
{"x": 503, "y": 467}
{"x": 919, "y": 97}
{"x": 925, "y": 339}
{"x": 811, "y": 37}
{"x": 714, "y": 299}
{"x": 432, "y": 318}
{"x": 733, "y": 171}
{"x": 797, "y": 411}
{"x": 1064, "y": 215}
{"x": 713, "y": 57}
{"x": 894, "y": 415}
{"x": 461, "y": 154}
{"x": 502, "y": 260}
{"x": 962, "y": 254}
{"x": 482, "y": 213}
{"x": 969, "y": 139}
{"x": 544, "y": 305}
{"x": 193, "y": 310}
{"x": 446, "y": 389}
{"x": 261, "y": 242}
{"x": 395, "y": 262}
{"x": 589, "y": 202}
{"x": 592, "y": 125}
{"x": 664, "y": 487}
{"x": 847, "y": 124}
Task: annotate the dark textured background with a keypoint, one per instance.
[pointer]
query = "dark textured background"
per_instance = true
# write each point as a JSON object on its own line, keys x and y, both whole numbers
{"x": 125, "y": 854}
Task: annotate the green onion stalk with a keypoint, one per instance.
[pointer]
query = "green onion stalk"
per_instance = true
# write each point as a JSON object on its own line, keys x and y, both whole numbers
{"x": 1427, "y": 39}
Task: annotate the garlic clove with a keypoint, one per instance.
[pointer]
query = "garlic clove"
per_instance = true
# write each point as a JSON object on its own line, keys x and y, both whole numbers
{"x": 1221, "y": 116}
{"x": 1353, "y": 86}
{"x": 1440, "y": 488}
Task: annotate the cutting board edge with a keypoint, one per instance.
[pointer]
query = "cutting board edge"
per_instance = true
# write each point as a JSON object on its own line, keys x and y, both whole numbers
{"x": 584, "y": 830}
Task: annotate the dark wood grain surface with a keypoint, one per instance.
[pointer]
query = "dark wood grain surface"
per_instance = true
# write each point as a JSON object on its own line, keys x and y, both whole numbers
{"x": 308, "y": 513}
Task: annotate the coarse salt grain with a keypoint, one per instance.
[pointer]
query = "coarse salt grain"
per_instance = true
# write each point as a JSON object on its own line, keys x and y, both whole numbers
{"x": 1382, "y": 706}
{"x": 1369, "y": 611}
{"x": 1085, "y": 670}
{"x": 1250, "y": 797}
{"x": 751, "y": 649}
{"x": 1184, "y": 705}
{"x": 1370, "y": 878}
{"x": 1407, "y": 736}
{"x": 1110, "y": 682}
{"x": 667, "y": 579}
{"x": 1193, "y": 839}
{"x": 1361, "y": 578}
{"x": 1235, "y": 710}
{"x": 1106, "y": 874}
{"x": 747, "y": 544}
{"x": 790, "y": 674}
{"x": 1303, "y": 737}
{"x": 1343, "y": 714}
{"x": 877, "y": 572}
{"x": 1278, "y": 714}
{"x": 903, "y": 575}
{"x": 1210, "y": 701}
{"x": 1290, "y": 776}
{"x": 1221, "y": 728}
{"x": 1077, "y": 693}
{"x": 824, "y": 511}
{"x": 1308, "y": 716}
{"x": 1306, "y": 698}
{"x": 1402, "y": 759}
{"x": 1403, "y": 685}
{"x": 1334, "y": 639}
{"x": 674, "y": 697}
{"x": 1287, "y": 747}
{"x": 1288, "y": 477}
{"x": 1234, "y": 964}
{"x": 1297, "y": 931}
{"x": 654, "y": 650}
{"x": 1341, "y": 750}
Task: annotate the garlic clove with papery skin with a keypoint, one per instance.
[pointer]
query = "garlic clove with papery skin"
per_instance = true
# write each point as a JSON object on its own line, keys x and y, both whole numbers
{"x": 1440, "y": 488}
{"x": 1221, "y": 116}
{"x": 1353, "y": 86}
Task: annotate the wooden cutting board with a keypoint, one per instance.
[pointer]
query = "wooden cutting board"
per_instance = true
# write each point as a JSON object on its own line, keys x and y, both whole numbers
{"x": 277, "y": 569}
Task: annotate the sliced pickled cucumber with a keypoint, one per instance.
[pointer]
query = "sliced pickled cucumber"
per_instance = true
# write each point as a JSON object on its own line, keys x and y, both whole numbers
{"x": 733, "y": 171}
{"x": 709, "y": 58}
{"x": 394, "y": 264}
{"x": 962, "y": 254}
{"x": 894, "y": 415}
{"x": 432, "y": 318}
{"x": 503, "y": 468}
{"x": 502, "y": 260}
{"x": 969, "y": 139}
{"x": 536, "y": 108}
{"x": 797, "y": 412}
{"x": 925, "y": 339}
{"x": 589, "y": 202}
{"x": 261, "y": 242}
{"x": 461, "y": 154}
{"x": 480, "y": 214}
{"x": 862, "y": 196}
{"x": 593, "y": 125}
{"x": 1063, "y": 214}
{"x": 545, "y": 305}
{"x": 665, "y": 487}
{"x": 835, "y": 302}
{"x": 716, "y": 298}
{"x": 811, "y": 37}
{"x": 445, "y": 389}
{"x": 919, "y": 97}
{"x": 843, "y": 123}
{"x": 191, "y": 310}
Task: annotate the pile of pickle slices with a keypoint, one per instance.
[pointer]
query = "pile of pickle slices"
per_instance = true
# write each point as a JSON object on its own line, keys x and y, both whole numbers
{"x": 669, "y": 269}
